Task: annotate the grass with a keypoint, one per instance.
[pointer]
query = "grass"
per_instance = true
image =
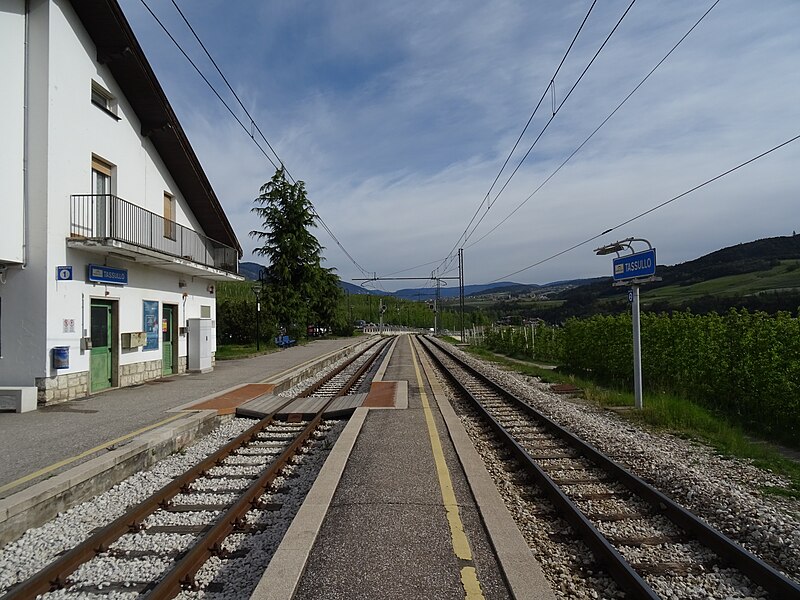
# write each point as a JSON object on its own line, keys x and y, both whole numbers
{"x": 231, "y": 351}
{"x": 667, "y": 412}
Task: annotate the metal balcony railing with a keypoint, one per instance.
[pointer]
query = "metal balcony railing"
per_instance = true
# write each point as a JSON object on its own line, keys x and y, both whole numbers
{"x": 103, "y": 216}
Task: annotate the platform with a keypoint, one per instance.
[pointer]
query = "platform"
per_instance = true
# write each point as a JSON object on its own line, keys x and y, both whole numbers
{"x": 403, "y": 508}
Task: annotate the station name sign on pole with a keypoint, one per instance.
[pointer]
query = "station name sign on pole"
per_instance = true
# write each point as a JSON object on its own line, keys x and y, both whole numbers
{"x": 635, "y": 266}
{"x": 633, "y": 269}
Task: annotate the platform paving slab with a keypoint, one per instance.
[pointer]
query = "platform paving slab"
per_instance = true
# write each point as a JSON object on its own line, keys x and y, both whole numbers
{"x": 386, "y": 533}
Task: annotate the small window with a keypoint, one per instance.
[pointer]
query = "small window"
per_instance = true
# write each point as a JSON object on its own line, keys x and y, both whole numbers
{"x": 169, "y": 216}
{"x": 205, "y": 311}
{"x": 104, "y": 99}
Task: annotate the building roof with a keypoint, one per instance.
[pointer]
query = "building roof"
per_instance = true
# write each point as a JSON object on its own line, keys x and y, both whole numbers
{"x": 118, "y": 49}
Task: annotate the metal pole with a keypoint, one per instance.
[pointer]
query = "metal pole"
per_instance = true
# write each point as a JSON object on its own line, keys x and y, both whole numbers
{"x": 436, "y": 309}
{"x": 637, "y": 350}
{"x": 461, "y": 288}
{"x": 258, "y": 324}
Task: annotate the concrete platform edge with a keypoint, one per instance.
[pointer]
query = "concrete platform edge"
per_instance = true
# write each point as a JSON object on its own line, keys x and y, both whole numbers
{"x": 522, "y": 571}
{"x": 283, "y": 573}
{"x": 283, "y": 381}
{"x": 37, "y": 504}
{"x": 385, "y": 364}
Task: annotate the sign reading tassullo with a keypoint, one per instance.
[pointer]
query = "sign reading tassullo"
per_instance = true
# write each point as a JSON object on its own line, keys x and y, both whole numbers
{"x": 104, "y": 274}
{"x": 635, "y": 266}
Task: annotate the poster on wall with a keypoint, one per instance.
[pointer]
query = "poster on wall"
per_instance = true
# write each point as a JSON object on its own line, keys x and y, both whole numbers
{"x": 150, "y": 316}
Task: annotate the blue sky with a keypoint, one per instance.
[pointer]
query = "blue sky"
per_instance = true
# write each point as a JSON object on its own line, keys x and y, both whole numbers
{"x": 398, "y": 116}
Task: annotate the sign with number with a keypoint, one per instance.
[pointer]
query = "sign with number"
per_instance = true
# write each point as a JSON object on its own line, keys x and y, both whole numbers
{"x": 64, "y": 273}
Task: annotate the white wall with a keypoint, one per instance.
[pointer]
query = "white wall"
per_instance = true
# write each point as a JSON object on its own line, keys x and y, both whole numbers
{"x": 12, "y": 115}
{"x": 65, "y": 129}
{"x": 71, "y": 300}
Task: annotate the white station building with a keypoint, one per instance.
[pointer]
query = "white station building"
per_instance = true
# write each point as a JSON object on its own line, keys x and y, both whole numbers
{"x": 111, "y": 237}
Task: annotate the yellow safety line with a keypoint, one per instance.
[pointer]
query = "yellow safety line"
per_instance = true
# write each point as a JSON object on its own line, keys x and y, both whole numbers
{"x": 469, "y": 577}
{"x": 103, "y": 446}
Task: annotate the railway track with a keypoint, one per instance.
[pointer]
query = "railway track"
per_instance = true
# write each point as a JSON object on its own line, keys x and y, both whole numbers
{"x": 158, "y": 546}
{"x": 643, "y": 539}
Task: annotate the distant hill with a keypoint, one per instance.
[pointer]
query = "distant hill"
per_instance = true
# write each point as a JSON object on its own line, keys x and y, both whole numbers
{"x": 759, "y": 275}
{"x": 763, "y": 274}
{"x": 250, "y": 270}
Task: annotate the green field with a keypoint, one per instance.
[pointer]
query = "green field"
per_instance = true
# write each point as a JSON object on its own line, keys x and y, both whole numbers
{"x": 784, "y": 277}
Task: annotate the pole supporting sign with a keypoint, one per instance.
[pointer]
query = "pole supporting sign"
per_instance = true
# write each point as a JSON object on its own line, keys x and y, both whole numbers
{"x": 635, "y": 266}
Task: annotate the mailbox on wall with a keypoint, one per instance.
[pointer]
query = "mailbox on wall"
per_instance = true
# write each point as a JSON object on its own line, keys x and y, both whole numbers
{"x": 134, "y": 339}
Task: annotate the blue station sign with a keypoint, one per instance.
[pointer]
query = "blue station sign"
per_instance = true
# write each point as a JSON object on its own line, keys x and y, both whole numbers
{"x": 103, "y": 274}
{"x": 635, "y": 266}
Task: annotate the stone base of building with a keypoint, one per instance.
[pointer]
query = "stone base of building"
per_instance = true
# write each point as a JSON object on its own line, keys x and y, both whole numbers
{"x": 140, "y": 372}
{"x": 61, "y": 388}
{"x": 70, "y": 386}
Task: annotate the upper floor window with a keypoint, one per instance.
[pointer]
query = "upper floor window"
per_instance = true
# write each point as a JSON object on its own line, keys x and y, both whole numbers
{"x": 104, "y": 99}
{"x": 169, "y": 216}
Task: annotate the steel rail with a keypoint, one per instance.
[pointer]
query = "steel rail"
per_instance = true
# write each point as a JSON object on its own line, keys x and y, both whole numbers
{"x": 54, "y": 575}
{"x": 182, "y": 572}
{"x": 746, "y": 562}
{"x": 618, "y": 567}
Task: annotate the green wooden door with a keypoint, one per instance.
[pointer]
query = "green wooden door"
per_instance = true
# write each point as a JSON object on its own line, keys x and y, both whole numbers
{"x": 167, "y": 366}
{"x": 100, "y": 356}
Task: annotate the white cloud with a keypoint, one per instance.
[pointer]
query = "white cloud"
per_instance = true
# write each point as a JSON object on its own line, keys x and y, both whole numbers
{"x": 399, "y": 115}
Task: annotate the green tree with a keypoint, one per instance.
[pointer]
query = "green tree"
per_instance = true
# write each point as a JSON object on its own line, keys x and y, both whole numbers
{"x": 299, "y": 288}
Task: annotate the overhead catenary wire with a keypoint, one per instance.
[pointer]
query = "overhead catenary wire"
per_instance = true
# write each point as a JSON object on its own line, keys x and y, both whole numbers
{"x": 653, "y": 209}
{"x": 522, "y": 133}
{"x": 600, "y": 126}
{"x": 468, "y": 233}
{"x": 230, "y": 87}
{"x": 241, "y": 124}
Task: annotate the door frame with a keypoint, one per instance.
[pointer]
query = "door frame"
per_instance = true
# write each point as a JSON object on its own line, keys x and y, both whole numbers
{"x": 114, "y": 304}
{"x": 173, "y": 339}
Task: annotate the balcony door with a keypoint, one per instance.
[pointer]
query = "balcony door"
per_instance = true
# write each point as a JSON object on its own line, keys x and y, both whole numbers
{"x": 101, "y": 190}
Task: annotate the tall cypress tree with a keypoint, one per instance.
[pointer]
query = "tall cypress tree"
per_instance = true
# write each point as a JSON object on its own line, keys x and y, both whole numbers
{"x": 294, "y": 273}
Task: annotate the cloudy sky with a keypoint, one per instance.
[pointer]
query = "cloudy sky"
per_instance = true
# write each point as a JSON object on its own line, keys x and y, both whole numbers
{"x": 399, "y": 116}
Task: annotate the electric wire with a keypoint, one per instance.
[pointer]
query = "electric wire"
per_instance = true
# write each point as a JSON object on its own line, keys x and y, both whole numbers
{"x": 242, "y": 125}
{"x": 227, "y": 83}
{"x": 654, "y": 208}
{"x": 522, "y": 133}
{"x": 556, "y": 110}
{"x": 600, "y": 126}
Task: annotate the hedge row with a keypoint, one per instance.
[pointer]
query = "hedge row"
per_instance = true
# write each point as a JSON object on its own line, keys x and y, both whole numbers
{"x": 743, "y": 364}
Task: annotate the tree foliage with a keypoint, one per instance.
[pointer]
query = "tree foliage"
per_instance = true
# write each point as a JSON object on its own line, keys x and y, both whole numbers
{"x": 298, "y": 289}
{"x": 744, "y": 365}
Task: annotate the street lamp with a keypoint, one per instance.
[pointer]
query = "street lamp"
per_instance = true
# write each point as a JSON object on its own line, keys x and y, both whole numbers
{"x": 256, "y": 289}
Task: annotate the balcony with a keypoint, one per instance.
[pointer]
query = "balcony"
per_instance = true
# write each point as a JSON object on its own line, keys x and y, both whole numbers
{"x": 110, "y": 225}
